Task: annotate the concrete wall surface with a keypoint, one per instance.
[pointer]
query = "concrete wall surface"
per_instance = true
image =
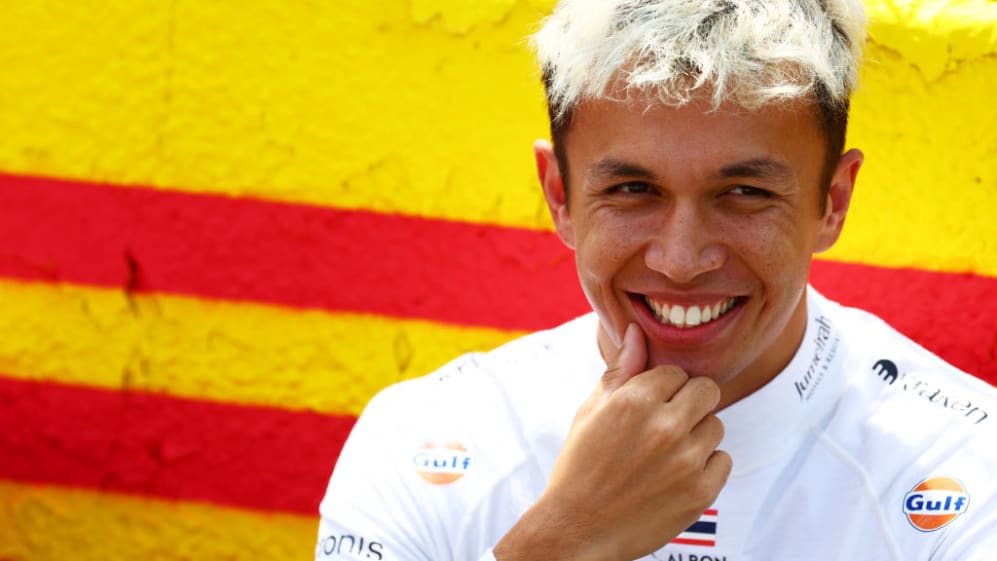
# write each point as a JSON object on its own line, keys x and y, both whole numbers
{"x": 225, "y": 225}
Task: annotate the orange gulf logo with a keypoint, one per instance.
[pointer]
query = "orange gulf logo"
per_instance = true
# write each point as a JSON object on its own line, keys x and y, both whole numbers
{"x": 442, "y": 464}
{"x": 935, "y": 502}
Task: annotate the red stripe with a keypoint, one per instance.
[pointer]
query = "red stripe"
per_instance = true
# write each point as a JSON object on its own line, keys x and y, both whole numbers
{"x": 687, "y": 541}
{"x": 132, "y": 442}
{"x": 710, "y": 512}
{"x": 291, "y": 255}
{"x": 468, "y": 274}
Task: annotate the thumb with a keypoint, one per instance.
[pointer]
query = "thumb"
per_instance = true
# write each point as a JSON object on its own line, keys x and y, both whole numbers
{"x": 628, "y": 362}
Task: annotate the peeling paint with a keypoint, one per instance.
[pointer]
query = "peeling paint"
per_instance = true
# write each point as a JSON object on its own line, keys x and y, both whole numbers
{"x": 461, "y": 16}
{"x": 935, "y": 36}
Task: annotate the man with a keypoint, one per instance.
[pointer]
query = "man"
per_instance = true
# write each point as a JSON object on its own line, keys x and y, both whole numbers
{"x": 713, "y": 406}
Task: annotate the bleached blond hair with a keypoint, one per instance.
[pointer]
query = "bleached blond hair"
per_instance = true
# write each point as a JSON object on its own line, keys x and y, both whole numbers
{"x": 751, "y": 52}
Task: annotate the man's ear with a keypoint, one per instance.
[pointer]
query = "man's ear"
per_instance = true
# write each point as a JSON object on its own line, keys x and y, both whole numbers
{"x": 552, "y": 182}
{"x": 839, "y": 196}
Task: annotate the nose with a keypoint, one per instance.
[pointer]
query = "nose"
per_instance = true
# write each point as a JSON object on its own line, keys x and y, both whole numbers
{"x": 685, "y": 244}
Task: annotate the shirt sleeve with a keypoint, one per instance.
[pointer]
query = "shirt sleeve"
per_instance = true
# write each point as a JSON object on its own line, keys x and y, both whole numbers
{"x": 378, "y": 504}
{"x": 973, "y": 538}
{"x": 368, "y": 511}
{"x": 338, "y": 542}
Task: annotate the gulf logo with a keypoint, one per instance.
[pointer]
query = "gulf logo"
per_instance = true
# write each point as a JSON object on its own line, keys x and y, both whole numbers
{"x": 442, "y": 464}
{"x": 935, "y": 502}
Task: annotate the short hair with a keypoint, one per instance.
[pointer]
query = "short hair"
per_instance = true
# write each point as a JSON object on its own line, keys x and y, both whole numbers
{"x": 751, "y": 52}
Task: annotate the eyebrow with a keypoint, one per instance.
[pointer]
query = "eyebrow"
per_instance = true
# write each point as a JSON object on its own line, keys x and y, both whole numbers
{"x": 761, "y": 167}
{"x": 610, "y": 168}
{"x": 757, "y": 168}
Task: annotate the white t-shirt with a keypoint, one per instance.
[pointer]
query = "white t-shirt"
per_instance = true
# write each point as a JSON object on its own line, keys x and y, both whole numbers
{"x": 865, "y": 447}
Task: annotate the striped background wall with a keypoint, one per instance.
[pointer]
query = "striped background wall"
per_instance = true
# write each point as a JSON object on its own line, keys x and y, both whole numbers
{"x": 225, "y": 225}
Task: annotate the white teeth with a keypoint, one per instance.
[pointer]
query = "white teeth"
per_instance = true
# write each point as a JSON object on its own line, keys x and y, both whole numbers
{"x": 679, "y": 316}
{"x": 692, "y": 316}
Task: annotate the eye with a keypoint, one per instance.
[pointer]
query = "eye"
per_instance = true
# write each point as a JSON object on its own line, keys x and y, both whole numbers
{"x": 749, "y": 191}
{"x": 632, "y": 188}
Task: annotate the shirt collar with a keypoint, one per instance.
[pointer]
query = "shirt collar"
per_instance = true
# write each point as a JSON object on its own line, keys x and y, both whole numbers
{"x": 765, "y": 425}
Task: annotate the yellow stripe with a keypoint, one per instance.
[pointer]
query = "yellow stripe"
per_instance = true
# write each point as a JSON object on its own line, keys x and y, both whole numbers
{"x": 240, "y": 353}
{"x": 934, "y": 35}
{"x": 393, "y": 106}
{"x": 55, "y": 523}
{"x": 927, "y": 194}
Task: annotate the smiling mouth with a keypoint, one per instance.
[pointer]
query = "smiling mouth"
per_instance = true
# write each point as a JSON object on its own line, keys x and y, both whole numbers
{"x": 685, "y": 317}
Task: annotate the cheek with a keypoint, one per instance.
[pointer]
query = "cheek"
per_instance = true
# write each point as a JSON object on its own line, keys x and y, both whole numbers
{"x": 605, "y": 248}
{"x": 605, "y": 252}
{"x": 776, "y": 250}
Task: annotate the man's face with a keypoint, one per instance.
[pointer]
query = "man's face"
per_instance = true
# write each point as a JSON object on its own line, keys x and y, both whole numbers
{"x": 699, "y": 226}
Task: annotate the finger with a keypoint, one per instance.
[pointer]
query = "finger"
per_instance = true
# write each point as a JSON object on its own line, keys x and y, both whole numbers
{"x": 718, "y": 467}
{"x": 697, "y": 398}
{"x": 707, "y": 434}
{"x": 628, "y": 362}
{"x": 660, "y": 385}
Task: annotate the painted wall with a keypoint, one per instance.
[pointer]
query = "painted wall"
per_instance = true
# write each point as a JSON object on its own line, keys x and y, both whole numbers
{"x": 225, "y": 225}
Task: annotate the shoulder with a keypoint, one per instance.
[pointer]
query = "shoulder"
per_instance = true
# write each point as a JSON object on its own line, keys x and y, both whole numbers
{"x": 510, "y": 379}
{"x": 429, "y": 455}
{"x": 911, "y": 423}
{"x": 895, "y": 377}
{"x": 488, "y": 407}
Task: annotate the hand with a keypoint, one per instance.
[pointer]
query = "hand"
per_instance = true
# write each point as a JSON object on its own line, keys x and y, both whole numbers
{"x": 639, "y": 465}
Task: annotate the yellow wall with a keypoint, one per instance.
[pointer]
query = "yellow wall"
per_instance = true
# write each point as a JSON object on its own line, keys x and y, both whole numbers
{"x": 415, "y": 107}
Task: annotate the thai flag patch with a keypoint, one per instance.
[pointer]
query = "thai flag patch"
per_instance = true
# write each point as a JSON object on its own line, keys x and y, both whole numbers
{"x": 702, "y": 532}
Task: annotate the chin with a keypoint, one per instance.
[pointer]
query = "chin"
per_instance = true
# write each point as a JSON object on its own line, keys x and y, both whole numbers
{"x": 712, "y": 369}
